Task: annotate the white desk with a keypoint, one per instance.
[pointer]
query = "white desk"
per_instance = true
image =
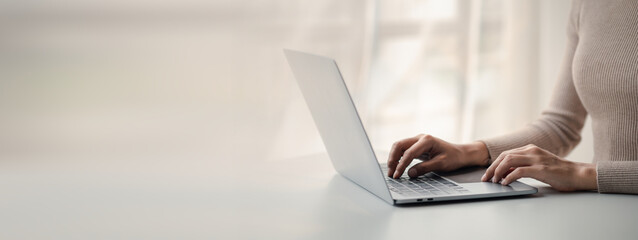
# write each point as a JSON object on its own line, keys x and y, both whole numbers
{"x": 190, "y": 197}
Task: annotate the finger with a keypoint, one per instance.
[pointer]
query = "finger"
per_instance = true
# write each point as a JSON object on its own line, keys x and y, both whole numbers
{"x": 397, "y": 151}
{"x": 490, "y": 170}
{"x": 423, "y": 144}
{"x": 521, "y": 172}
{"x": 489, "y": 173}
{"x": 511, "y": 161}
{"x": 425, "y": 167}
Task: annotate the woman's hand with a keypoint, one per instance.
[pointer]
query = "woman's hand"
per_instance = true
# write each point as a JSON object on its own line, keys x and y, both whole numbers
{"x": 532, "y": 161}
{"x": 444, "y": 156}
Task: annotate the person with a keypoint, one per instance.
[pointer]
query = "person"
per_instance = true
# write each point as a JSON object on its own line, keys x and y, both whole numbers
{"x": 599, "y": 77}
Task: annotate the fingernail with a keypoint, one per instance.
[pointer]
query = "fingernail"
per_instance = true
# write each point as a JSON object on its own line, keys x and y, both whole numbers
{"x": 494, "y": 180}
{"x": 483, "y": 178}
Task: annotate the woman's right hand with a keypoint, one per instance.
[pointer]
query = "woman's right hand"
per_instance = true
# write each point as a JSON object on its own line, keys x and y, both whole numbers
{"x": 444, "y": 156}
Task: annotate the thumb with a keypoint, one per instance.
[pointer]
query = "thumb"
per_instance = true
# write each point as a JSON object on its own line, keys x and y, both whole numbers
{"x": 425, "y": 167}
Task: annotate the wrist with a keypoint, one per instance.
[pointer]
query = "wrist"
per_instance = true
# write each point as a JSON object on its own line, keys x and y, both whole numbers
{"x": 588, "y": 177}
{"x": 476, "y": 154}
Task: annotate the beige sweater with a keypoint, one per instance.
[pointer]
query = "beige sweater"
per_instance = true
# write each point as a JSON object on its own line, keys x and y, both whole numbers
{"x": 599, "y": 77}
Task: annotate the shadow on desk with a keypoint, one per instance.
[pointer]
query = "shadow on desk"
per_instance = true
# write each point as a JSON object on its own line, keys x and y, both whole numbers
{"x": 346, "y": 211}
{"x": 469, "y": 175}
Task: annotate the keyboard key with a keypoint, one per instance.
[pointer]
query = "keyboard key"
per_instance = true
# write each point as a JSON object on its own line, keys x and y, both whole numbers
{"x": 429, "y": 184}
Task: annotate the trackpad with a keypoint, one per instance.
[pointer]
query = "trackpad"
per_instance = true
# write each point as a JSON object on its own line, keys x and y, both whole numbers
{"x": 465, "y": 175}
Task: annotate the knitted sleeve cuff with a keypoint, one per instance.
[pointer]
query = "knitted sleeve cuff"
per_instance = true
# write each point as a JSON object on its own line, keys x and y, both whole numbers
{"x": 617, "y": 177}
{"x": 495, "y": 146}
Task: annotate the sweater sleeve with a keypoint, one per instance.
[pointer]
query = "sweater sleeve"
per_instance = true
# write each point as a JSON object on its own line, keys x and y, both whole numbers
{"x": 558, "y": 128}
{"x": 617, "y": 177}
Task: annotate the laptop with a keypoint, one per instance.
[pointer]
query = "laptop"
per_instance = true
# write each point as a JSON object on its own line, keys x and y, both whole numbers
{"x": 350, "y": 150}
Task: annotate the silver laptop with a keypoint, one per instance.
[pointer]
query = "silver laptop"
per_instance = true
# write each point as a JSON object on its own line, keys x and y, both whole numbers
{"x": 350, "y": 150}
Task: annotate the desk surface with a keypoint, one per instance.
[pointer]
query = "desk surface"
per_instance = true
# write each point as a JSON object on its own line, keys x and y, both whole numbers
{"x": 188, "y": 197}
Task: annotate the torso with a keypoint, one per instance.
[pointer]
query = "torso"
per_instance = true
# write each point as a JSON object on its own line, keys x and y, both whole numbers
{"x": 605, "y": 71}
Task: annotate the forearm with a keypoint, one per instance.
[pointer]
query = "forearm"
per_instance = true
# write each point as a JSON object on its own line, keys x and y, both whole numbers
{"x": 558, "y": 128}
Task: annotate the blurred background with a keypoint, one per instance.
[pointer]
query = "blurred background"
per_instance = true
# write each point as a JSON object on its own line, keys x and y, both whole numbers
{"x": 140, "y": 117}
{"x": 113, "y": 78}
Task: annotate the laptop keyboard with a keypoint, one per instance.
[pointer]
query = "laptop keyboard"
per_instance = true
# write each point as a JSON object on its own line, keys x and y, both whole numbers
{"x": 428, "y": 184}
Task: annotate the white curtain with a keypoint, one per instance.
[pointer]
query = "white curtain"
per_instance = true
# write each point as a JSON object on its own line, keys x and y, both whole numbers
{"x": 460, "y": 70}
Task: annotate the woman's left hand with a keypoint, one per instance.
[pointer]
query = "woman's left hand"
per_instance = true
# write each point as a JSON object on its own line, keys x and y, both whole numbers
{"x": 532, "y": 161}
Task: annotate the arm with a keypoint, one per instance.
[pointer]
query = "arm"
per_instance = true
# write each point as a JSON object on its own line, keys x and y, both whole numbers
{"x": 558, "y": 128}
{"x": 557, "y": 131}
{"x": 536, "y": 151}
